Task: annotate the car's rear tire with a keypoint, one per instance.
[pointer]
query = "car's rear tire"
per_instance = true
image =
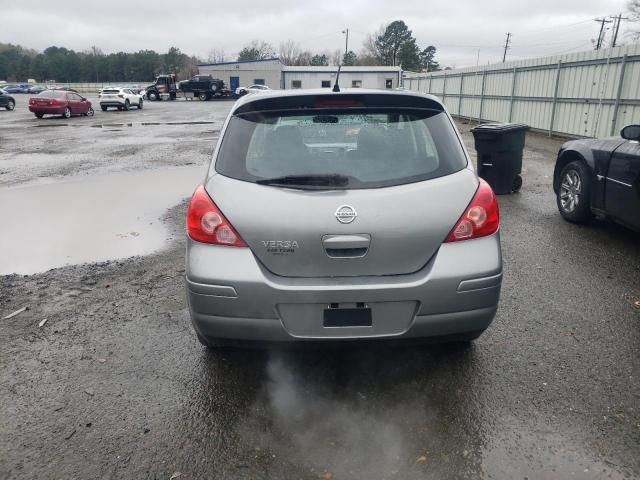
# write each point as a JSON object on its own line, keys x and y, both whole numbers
{"x": 127, "y": 105}
{"x": 103, "y": 108}
{"x": 467, "y": 337}
{"x": 39, "y": 115}
{"x": 90, "y": 112}
{"x": 11, "y": 105}
{"x": 212, "y": 344}
{"x": 140, "y": 104}
{"x": 67, "y": 113}
{"x": 574, "y": 193}
{"x": 203, "y": 97}
{"x": 517, "y": 184}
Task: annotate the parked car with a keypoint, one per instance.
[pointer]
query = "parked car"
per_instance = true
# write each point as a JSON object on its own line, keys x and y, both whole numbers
{"x": 241, "y": 91}
{"x": 60, "y": 102}
{"x": 341, "y": 216}
{"x": 121, "y": 98}
{"x": 7, "y": 101}
{"x": 35, "y": 89}
{"x": 66, "y": 89}
{"x": 600, "y": 177}
{"x": 12, "y": 88}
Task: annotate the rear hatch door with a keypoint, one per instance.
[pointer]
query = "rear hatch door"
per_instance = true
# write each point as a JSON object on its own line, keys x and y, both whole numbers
{"x": 297, "y": 233}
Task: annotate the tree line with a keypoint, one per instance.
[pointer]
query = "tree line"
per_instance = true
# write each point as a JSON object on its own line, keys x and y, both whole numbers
{"x": 17, "y": 64}
{"x": 393, "y": 44}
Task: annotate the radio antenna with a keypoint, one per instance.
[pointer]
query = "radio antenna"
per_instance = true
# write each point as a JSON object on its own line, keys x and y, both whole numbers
{"x": 336, "y": 87}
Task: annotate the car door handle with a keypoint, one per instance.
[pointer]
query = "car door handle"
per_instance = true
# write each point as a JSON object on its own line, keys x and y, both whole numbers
{"x": 346, "y": 246}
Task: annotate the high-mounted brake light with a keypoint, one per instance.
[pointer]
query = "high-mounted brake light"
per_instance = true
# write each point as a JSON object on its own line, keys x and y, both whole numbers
{"x": 207, "y": 224}
{"x": 338, "y": 102}
{"x": 480, "y": 218}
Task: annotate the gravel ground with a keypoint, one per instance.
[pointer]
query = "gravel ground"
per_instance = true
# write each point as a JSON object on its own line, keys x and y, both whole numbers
{"x": 115, "y": 385}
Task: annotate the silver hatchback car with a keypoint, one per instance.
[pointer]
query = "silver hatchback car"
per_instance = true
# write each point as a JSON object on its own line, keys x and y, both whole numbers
{"x": 338, "y": 216}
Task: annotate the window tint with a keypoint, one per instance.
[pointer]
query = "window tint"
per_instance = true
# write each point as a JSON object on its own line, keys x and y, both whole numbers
{"x": 372, "y": 148}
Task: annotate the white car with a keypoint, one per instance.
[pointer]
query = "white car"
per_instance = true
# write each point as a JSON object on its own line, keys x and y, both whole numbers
{"x": 121, "y": 98}
{"x": 241, "y": 91}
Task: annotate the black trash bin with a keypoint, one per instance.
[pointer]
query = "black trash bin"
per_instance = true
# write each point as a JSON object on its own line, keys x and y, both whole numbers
{"x": 499, "y": 147}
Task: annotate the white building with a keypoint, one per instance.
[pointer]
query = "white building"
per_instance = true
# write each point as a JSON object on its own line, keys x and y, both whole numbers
{"x": 273, "y": 73}
{"x": 350, "y": 77}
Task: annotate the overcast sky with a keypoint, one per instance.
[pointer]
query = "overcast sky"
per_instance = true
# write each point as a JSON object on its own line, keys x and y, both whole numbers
{"x": 460, "y": 29}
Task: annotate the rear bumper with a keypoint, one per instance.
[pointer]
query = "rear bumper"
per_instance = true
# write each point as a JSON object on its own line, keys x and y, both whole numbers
{"x": 270, "y": 330}
{"x": 47, "y": 109}
{"x": 231, "y": 296}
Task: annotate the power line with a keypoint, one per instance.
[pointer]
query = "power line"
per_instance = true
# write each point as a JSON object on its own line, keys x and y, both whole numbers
{"x": 562, "y": 27}
{"x": 506, "y": 47}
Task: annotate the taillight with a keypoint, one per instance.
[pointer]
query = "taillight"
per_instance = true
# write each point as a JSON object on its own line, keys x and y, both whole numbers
{"x": 480, "y": 218}
{"x": 121, "y": 96}
{"x": 206, "y": 223}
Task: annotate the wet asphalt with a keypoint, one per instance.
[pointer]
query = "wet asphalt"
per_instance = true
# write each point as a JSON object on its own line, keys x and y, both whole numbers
{"x": 115, "y": 385}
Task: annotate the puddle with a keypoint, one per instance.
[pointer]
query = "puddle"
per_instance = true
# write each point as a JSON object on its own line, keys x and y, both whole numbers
{"x": 89, "y": 219}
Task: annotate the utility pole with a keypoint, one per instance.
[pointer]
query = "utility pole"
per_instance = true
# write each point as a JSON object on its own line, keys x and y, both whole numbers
{"x": 617, "y": 21}
{"x": 346, "y": 43}
{"x": 506, "y": 47}
{"x": 602, "y": 22}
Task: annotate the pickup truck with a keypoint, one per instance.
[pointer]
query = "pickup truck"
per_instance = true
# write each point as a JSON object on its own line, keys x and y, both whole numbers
{"x": 204, "y": 87}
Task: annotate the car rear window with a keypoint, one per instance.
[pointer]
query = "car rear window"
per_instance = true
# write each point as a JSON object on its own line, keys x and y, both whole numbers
{"x": 52, "y": 94}
{"x": 111, "y": 91}
{"x": 372, "y": 147}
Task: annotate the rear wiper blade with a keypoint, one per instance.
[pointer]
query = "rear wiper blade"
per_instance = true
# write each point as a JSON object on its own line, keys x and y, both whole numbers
{"x": 321, "y": 180}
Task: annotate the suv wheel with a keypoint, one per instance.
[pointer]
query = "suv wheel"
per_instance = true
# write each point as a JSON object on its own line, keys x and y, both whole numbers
{"x": 140, "y": 104}
{"x": 67, "y": 113}
{"x": 127, "y": 104}
{"x": 574, "y": 193}
{"x": 11, "y": 105}
{"x": 103, "y": 108}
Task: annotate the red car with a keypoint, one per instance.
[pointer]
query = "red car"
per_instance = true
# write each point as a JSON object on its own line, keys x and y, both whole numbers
{"x": 60, "y": 102}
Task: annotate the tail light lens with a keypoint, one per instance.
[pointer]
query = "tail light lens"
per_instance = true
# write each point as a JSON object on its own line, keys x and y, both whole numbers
{"x": 481, "y": 217}
{"x": 207, "y": 224}
{"x": 121, "y": 96}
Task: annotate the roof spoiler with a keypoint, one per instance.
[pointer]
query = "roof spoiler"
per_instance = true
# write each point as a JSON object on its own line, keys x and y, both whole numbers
{"x": 344, "y": 100}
